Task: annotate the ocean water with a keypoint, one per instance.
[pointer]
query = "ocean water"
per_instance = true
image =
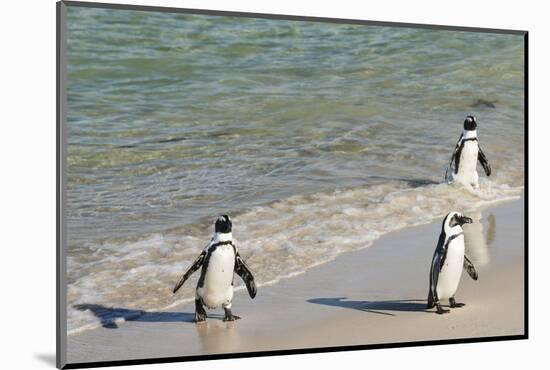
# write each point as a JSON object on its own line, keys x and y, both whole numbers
{"x": 316, "y": 138}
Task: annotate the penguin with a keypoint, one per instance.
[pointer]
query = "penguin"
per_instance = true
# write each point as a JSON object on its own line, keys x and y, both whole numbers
{"x": 448, "y": 261}
{"x": 465, "y": 157}
{"x": 219, "y": 260}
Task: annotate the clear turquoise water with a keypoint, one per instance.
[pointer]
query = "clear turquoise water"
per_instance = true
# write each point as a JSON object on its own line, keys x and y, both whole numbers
{"x": 290, "y": 127}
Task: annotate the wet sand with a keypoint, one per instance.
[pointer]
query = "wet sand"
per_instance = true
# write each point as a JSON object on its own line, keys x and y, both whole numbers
{"x": 375, "y": 295}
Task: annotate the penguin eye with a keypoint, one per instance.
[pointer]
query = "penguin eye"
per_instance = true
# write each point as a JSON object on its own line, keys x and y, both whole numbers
{"x": 454, "y": 220}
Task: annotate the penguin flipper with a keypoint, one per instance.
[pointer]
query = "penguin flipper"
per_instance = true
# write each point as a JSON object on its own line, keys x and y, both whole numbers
{"x": 243, "y": 271}
{"x": 455, "y": 158}
{"x": 484, "y": 162}
{"x": 437, "y": 262}
{"x": 194, "y": 267}
{"x": 470, "y": 268}
{"x": 434, "y": 277}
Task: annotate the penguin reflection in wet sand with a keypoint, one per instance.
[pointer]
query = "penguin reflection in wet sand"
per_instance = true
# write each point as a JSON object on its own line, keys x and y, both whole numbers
{"x": 465, "y": 157}
{"x": 219, "y": 261}
{"x": 448, "y": 261}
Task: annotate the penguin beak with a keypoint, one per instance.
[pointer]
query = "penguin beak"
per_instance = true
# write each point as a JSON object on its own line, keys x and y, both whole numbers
{"x": 464, "y": 220}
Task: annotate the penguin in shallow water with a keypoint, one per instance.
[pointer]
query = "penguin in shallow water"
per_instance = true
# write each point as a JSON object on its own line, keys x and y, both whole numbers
{"x": 219, "y": 260}
{"x": 465, "y": 157}
{"x": 448, "y": 261}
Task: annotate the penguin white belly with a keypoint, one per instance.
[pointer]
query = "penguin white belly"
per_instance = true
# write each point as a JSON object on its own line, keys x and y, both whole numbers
{"x": 467, "y": 171}
{"x": 450, "y": 274}
{"x": 217, "y": 288}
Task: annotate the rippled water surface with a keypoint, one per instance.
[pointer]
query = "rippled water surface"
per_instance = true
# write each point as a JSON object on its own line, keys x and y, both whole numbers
{"x": 317, "y": 138}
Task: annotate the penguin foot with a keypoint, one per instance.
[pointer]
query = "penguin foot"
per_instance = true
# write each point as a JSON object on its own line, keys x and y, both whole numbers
{"x": 229, "y": 315}
{"x": 200, "y": 318}
{"x": 454, "y": 304}
{"x": 200, "y": 313}
{"x": 231, "y": 318}
{"x": 441, "y": 310}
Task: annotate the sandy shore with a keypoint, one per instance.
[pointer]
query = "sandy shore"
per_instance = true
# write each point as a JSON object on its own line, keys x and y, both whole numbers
{"x": 375, "y": 295}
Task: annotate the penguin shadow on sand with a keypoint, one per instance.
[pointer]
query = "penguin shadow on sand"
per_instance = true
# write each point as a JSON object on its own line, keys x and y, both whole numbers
{"x": 376, "y": 307}
{"x": 110, "y": 317}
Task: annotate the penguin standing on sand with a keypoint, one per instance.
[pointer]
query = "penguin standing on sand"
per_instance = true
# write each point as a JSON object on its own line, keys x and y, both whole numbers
{"x": 219, "y": 261}
{"x": 448, "y": 261}
{"x": 465, "y": 157}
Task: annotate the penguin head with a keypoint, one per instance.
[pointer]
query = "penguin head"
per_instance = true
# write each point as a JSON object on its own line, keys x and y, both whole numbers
{"x": 456, "y": 219}
{"x": 470, "y": 123}
{"x": 223, "y": 224}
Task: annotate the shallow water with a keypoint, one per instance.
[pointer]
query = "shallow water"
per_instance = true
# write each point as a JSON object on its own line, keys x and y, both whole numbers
{"x": 316, "y": 139}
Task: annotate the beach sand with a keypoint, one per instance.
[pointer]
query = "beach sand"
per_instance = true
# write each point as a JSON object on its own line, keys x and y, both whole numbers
{"x": 375, "y": 295}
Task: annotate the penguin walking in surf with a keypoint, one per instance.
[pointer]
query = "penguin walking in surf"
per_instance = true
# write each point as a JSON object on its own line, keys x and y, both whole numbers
{"x": 465, "y": 157}
{"x": 219, "y": 260}
{"x": 448, "y": 261}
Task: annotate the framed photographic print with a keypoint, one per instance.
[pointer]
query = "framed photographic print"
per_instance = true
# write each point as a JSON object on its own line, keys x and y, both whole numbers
{"x": 235, "y": 184}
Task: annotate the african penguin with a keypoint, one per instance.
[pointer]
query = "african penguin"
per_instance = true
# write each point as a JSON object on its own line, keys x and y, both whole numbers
{"x": 465, "y": 157}
{"x": 448, "y": 261}
{"x": 219, "y": 260}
